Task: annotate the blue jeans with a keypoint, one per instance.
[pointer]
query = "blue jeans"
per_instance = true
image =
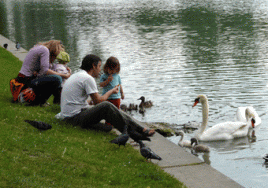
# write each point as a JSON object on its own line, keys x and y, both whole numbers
{"x": 45, "y": 86}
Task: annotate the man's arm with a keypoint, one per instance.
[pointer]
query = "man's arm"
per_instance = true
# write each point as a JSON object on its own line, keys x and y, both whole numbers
{"x": 96, "y": 98}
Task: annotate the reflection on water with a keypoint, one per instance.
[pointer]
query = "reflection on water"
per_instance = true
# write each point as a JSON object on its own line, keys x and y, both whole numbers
{"x": 170, "y": 51}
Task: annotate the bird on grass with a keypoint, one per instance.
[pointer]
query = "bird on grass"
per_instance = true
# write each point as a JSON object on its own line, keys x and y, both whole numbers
{"x": 17, "y": 45}
{"x": 5, "y": 45}
{"x": 198, "y": 148}
{"x": 121, "y": 139}
{"x": 147, "y": 153}
{"x": 39, "y": 124}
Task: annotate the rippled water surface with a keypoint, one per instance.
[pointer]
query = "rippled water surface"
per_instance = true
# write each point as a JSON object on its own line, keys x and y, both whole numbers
{"x": 170, "y": 51}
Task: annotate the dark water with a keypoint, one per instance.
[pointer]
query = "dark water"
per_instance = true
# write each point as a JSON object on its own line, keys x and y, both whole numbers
{"x": 170, "y": 51}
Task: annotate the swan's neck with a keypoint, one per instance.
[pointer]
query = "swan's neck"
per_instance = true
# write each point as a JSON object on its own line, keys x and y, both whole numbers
{"x": 182, "y": 136}
{"x": 248, "y": 115}
{"x": 205, "y": 116}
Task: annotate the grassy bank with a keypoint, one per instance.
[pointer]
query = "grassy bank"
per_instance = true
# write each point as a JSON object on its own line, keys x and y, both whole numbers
{"x": 63, "y": 156}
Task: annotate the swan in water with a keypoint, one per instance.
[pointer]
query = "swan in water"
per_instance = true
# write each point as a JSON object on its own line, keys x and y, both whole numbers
{"x": 183, "y": 143}
{"x": 241, "y": 115}
{"x": 198, "y": 148}
{"x": 222, "y": 131}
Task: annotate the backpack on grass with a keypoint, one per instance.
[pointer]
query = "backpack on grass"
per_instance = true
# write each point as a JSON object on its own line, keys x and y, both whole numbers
{"x": 20, "y": 92}
{"x": 15, "y": 88}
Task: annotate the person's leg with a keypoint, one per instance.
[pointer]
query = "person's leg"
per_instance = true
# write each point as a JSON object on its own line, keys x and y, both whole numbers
{"x": 115, "y": 102}
{"x": 57, "y": 95}
{"x": 106, "y": 111}
{"x": 45, "y": 86}
{"x": 133, "y": 124}
{"x": 89, "y": 118}
{"x": 77, "y": 120}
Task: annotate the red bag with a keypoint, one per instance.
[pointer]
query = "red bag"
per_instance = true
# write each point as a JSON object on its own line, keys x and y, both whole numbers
{"x": 15, "y": 88}
{"x": 28, "y": 95}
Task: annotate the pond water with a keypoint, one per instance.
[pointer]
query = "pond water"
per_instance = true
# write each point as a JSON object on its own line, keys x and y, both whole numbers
{"x": 170, "y": 51}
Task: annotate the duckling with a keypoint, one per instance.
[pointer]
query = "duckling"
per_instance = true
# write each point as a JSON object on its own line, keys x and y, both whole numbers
{"x": 131, "y": 107}
{"x": 123, "y": 107}
{"x": 198, "y": 148}
{"x": 135, "y": 107}
{"x": 183, "y": 143}
{"x": 145, "y": 104}
{"x": 141, "y": 110}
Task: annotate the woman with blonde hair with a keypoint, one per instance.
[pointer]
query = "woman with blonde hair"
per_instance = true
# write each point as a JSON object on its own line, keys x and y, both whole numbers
{"x": 36, "y": 73}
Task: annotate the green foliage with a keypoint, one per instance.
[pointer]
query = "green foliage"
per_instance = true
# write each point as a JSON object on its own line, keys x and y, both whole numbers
{"x": 64, "y": 156}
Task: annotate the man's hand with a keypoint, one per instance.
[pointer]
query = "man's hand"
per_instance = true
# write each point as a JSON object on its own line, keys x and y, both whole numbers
{"x": 115, "y": 89}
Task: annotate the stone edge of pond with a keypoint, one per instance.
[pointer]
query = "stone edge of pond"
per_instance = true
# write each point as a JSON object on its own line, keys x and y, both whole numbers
{"x": 176, "y": 161}
{"x": 184, "y": 166}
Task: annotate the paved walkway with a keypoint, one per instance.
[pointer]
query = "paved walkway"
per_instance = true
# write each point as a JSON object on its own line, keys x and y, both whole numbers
{"x": 184, "y": 166}
{"x": 21, "y": 53}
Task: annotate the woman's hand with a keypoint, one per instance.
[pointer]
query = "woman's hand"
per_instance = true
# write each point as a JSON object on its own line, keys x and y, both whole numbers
{"x": 59, "y": 74}
{"x": 65, "y": 75}
{"x": 35, "y": 73}
{"x": 69, "y": 70}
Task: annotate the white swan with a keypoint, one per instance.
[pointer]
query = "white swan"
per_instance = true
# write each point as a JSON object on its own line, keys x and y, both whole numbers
{"x": 198, "y": 148}
{"x": 240, "y": 115}
{"x": 221, "y": 131}
{"x": 183, "y": 143}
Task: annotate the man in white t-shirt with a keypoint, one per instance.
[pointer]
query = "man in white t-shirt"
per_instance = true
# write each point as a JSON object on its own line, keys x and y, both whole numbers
{"x": 77, "y": 91}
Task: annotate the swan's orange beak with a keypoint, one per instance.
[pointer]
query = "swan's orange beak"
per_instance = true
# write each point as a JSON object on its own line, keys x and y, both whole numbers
{"x": 196, "y": 101}
{"x": 253, "y": 123}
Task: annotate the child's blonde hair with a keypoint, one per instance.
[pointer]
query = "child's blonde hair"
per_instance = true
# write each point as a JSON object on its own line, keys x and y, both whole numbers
{"x": 112, "y": 63}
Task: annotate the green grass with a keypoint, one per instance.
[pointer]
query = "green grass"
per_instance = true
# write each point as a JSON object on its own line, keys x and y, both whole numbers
{"x": 64, "y": 156}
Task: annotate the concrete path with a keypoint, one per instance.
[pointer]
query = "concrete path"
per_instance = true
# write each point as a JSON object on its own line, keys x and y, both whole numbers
{"x": 21, "y": 53}
{"x": 184, "y": 166}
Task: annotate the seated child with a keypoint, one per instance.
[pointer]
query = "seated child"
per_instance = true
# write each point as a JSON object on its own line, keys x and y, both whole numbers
{"x": 63, "y": 58}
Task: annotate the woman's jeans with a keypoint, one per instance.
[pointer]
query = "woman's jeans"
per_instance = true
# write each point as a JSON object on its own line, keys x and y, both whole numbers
{"x": 45, "y": 86}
